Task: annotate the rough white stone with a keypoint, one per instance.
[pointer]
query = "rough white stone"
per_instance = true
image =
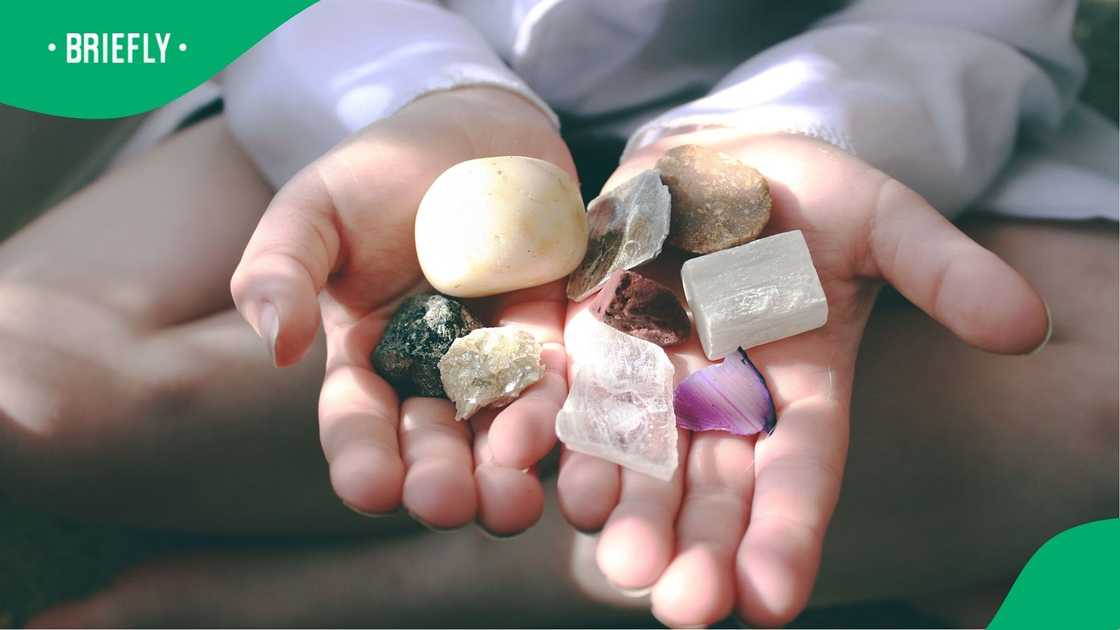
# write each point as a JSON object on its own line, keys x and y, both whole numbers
{"x": 497, "y": 224}
{"x": 490, "y": 367}
{"x": 620, "y": 401}
{"x": 627, "y": 227}
{"x": 754, "y": 294}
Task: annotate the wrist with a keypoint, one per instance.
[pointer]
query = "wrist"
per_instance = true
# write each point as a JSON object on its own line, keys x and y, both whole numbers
{"x": 498, "y": 100}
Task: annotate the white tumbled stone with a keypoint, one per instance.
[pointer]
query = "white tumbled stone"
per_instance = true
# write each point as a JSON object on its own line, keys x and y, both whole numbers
{"x": 498, "y": 224}
{"x": 620, "y": 400}
{"x": 754, "y": 294}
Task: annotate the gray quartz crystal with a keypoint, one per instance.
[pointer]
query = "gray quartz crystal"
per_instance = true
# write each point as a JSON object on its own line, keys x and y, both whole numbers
{"x": 490, "y": 367}
{"x": 627, "y": 226}
{"x": 620, "y": 401}
{"x": 754, "y": 294}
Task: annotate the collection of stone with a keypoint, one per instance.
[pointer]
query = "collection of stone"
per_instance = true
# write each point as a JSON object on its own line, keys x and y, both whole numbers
{"x": 484, "y": 227}
{"x": 622, "y": 405}
{"x": 495, "y": 225}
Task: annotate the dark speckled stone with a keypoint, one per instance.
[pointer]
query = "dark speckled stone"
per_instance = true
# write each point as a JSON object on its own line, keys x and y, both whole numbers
{"x": 416, "y": 338}
{"x": 641, "y": 307}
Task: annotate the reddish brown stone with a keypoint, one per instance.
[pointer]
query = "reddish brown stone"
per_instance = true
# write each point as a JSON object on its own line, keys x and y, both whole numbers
{"x": 642, "y": 307}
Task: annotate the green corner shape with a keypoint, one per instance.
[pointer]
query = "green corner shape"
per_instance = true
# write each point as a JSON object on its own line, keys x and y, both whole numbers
{"x": 199, "y": 38}
{"x": 1072, "y": 581}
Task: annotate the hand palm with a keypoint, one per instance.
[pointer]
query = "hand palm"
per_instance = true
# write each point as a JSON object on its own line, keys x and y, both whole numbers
{"x": 742, "y": 523}
{"x": 337, "y": 244}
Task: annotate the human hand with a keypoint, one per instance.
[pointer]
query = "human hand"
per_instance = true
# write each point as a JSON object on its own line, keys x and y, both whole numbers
{"x": 740, "y": 526}
{"x": 336, "y": 244}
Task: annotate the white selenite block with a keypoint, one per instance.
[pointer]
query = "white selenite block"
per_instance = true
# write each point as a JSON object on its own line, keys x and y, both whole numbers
{"x": 754, "y": 294}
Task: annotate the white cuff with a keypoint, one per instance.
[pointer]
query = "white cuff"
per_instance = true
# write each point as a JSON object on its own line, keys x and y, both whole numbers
{"x": 762, "y": 120}
{"x": 340, "y": 65}
{"x": 937, "y": 107}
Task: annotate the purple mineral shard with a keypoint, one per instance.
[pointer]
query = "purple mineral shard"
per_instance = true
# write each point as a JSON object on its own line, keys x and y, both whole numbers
{"x": 730, "y": 396}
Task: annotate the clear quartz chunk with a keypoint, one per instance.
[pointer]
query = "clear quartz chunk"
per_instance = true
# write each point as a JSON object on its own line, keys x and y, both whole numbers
{"x": 627, "y": 226}
{"x": 490, "y": 367}
{"x": 620, "y": 401}
{"x": 754, "y": 294}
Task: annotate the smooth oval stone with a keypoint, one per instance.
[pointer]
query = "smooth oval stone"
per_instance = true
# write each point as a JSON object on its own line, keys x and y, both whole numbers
{"x": 419, "y": 334}
{"x": 718, "y": 202}
{"x": 642, "y": 307}
{"x": 493, "y": 225}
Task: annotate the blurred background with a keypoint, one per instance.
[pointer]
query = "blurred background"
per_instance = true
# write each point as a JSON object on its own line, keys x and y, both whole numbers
{"x": 45, "y": 559}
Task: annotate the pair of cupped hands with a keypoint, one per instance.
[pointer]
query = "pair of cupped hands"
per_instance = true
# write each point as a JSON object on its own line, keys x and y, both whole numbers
{"x": 740, "y": 526}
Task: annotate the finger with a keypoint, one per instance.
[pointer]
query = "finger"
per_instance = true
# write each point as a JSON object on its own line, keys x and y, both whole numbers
{"x": 524, "y": 432}
{"x": 510, "y": 500}
{"x": 698, "y": 588}
{"x": 285, "y": 265}
{"x": 797, "y": 483}
{"x": 588, "y": 489}
{"x": 540, "y": 310}
{"x": 963, "y": 286}
{"x": 638, "y": 540}
{"x": 358, "y": 421}
{"x": 439, "y": 486}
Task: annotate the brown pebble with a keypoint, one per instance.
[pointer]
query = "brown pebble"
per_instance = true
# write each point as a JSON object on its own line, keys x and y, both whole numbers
{"x": 717, "y": 201}
{"x": 642, "y": 307}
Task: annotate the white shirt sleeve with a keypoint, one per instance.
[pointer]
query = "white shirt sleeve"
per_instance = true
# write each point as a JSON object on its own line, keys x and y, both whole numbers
{"x": 340, "y": 65}
{"x": 933, "y": 93}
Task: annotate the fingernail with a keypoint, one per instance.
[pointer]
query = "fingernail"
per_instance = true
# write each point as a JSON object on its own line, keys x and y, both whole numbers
{"x": 1049, "y": 330}
{"x": 429, "y": 526}
{"x": 634, "y": 593}
{"x": 494, "y": 536}
{"x": 373, "y": 514}
{"x": 677, "y": 625}
{"x": 268, "y": 327}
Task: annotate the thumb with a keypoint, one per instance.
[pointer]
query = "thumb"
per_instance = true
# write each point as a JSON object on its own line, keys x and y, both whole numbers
{"x": 965, "y": 287}
{"x": 285, "y": 265}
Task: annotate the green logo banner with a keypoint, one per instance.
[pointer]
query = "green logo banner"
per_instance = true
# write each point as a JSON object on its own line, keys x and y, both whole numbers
{"x": 88, "y": 59}
{"x": 1073, "y": 581}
